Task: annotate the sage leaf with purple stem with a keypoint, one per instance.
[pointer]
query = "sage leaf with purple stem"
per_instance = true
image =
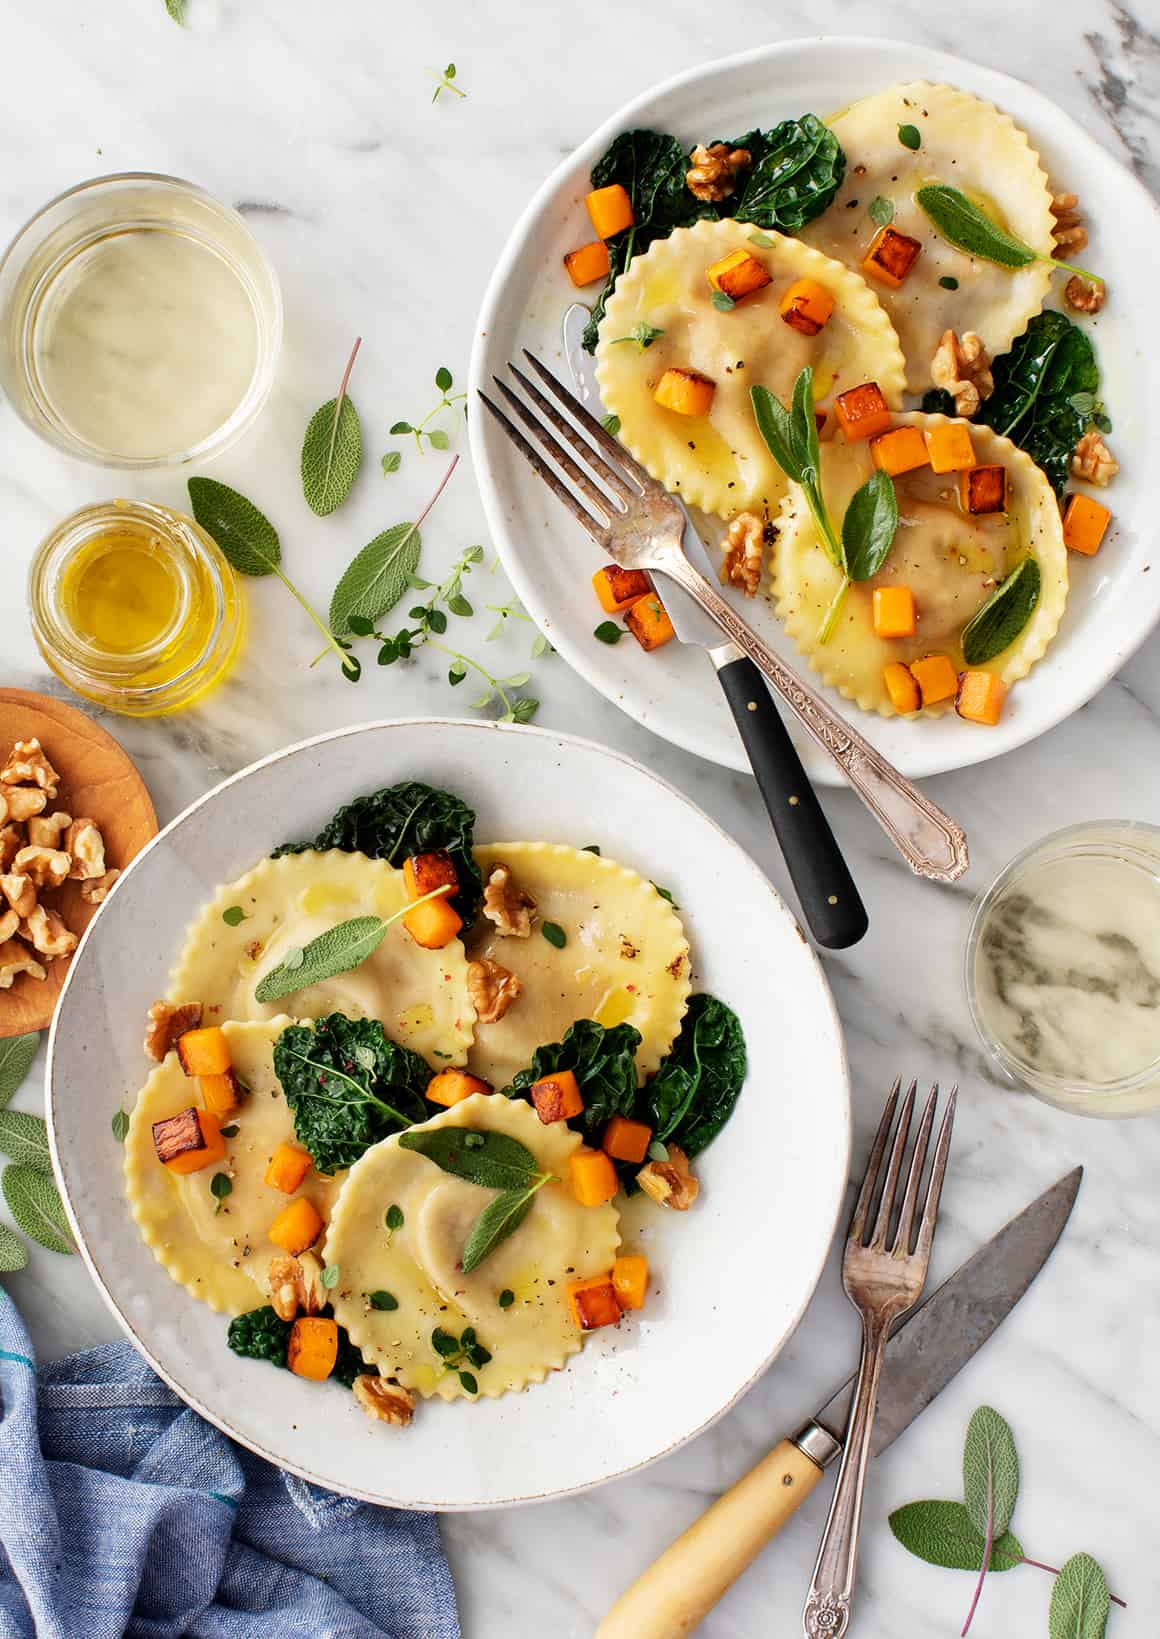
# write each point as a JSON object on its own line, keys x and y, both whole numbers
{"x": 1080, "y": 1601}
{"x": 941, "y": 1533}
{"x": 990, "y": 1484}
{"x": 332, "y": 449}
{"x": 16, "y": 1056}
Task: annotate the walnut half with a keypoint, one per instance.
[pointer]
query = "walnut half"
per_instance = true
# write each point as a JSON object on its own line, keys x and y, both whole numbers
{"x": 1093, "y": 460}
{"x": 47, "y": 934}
{"x": 86, "y": 847}
{"x": 670, "y": 1183}
{"x": 713, "y": 174}
{"x": 295, "y": 1286}
{"x": 963, "y": 369}
{"x": 744, "y": 551}
{"x": 28, "y": 765}
{"x": 166, "y": 1024}
{"x": 95, "y": 890}
{"x": 15, "y": 959}
{"x": 506, "y": 904}
{"x": 385, "y": 1402}
{"x": 1069, "y": 233}
{"x": 492, "y": 988}
{"x": 1085, "y": 295}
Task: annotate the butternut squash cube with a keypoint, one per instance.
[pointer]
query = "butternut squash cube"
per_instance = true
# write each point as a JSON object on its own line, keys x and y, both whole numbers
{"x": 900, "y": 450}
{"x": 738, "y": 274}
{"x": 890, "y": 257}
{"x": 687, "y": 392}
{"x": 950, "y": 448}
{"x": 894, "y": 614}
{"x": 433, "y": 924}
{"x": 806, "y": 306}
{"x": 423, "y": 873}
{"x": 593, "y": 1177}
{"x": 626, "y": 1140}
{"x": 617, "y": 589}
{"x": 589, "y": 263}
{"x": 981, "y": 697}
{"x": 648, "y": 621}
{"x": 901, "y": 687}
{"x": 453, "y": 1086}
{"x": 189, "y": 1141}
{"x": 983, "y": 489}
{"x": 288, "y": 1167}
{"x": 556, "y": 1098}
{"x": 1085, "y": 524}
{"x": 862, "y": 412}
{"x": 630, "y": 1280}
{"x": 936, "y": 678}
{"x": 593, "y": 1302}
{"x": 610, "y": 209}
{"x": 204, "y": 1052}
{"x": 219, "y": 1094}
{"x": 313, "y": 1347}
{"x": 296, "y": 1227}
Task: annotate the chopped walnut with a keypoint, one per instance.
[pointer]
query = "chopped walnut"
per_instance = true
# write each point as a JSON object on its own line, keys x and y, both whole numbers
{"x": 20, "y": 892}
{"x": 744, "y": 550}
{"x": 47, "y": 867}
{"x": 11, "y": 843}
{"x": 86, "y": 845}
{"x": 1093, "y": 460}
{"x": 27, "y": 765}
{"x": 506, "y": 904}
{"x": 714, "y": 170}
{"x": 492, "y": 988}
{"x": 1085, "y": 295}
{"x": 1068, "y": 232}
{"x": 21, "y": 802}
{"x": 47, "y": 934}
{"x": 670, "y": 1183}
{"x": 385, "y": 1402}
{"x": 295, "y": 1286}
{"x": 44, "y": 830}
{"x": 963, "y": 369}
{"x": 15, "y": 959}
{"x": 96, "y": 890}
{"x": 166, "y": 1024}
{"x": 9, "y": 922}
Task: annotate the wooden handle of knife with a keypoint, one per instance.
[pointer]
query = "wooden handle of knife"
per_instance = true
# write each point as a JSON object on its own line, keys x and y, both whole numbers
{"x": 684, "y": 1584}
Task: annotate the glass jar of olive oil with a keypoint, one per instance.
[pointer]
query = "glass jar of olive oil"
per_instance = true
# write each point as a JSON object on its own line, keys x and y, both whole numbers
{"x": 135, "y": 607}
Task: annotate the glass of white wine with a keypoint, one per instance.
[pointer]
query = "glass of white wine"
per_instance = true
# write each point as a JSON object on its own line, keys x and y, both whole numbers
{"x": 140, "y": 322}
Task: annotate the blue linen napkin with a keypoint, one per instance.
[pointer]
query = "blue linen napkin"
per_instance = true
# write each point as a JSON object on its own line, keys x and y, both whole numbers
{"x": 122, "y": 1512}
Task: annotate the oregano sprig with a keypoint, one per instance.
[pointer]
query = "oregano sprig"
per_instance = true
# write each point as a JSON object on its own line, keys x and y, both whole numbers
{"x": 960, "y": 221}
{"x": 332, "y": 449}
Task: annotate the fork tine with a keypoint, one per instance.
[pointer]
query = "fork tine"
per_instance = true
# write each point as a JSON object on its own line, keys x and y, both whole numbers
{"x": 598, "y": 501}
{"x": 559, "y": 490}
{"x": 937, "y": 1174}
{"x": 577, "y": 440}
{"x": 914, "y": 1176}
{"x": 893, "y": 1170}
{"x": 632, "y": 470}
{"x": 866, "y": 1193}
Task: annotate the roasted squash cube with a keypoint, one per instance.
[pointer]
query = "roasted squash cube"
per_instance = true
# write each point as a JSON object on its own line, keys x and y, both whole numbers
{"x": 890, "y": 257}
{"x": 433, "y": 924}
{"x": 648, "y": 621}
{"x": 936, "y": 678}
{"x": 950, "y": 448}
{"x": 806, "y": 306}
{"x": 593, "y": 1177}
{"x": 219, "y": 1094}
{"x": 610, "y": 209}
{"x": 900, "y": 450}
{"x": 288, "y": 1167}
{"x": 894, "y": 613}
{"x": 738, "y": 274}
{"x": 626, "y": 1140}
{"x": 557, "y": 1097}
{"x": 593, "y": 1302}
{"x": 1085, "y": 523}
{"x": 188, "y": 1141}
{"x": 313, "y": 1347}
{"x": 617, "y": 589}
{"x": 589, "y": 263}
{"x": 423, "y": 873}
{"x": 687, "y": 392}
{"x": 980, "y": 698}
{"x": 296, "y": 1227}
{"x": 983, "y": 489}
{"x": 862, "y": 412}
{"x": 630, "y": 1280}
{"x": 204, "y": 1052}
{"x": 901, "y": 687}
{"x": 453, "y": 1086}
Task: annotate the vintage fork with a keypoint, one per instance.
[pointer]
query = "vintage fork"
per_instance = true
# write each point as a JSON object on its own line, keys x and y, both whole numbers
{"x": 883, "y": 1279}
{"x": 640, "y": 525}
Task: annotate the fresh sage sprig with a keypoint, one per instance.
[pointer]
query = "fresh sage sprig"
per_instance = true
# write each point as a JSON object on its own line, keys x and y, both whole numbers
{"x": 964, "y": 225}
{"x": 340, "y": 949}
{"x": 28, "y": 1186}
{"x": 332, "y": 449}
{"x": 494, "y": 1161}
{"x": 378, "y": 576}
{"x": 16, "y": 1056}
{"x": 1004, "y": 615}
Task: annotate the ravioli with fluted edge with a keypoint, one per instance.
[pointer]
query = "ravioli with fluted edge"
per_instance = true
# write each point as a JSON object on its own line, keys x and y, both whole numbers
{"x": 951, "y": 562}
{"x": 970, "y": 145}
{"x": 218, "y": 1248}
{"x": 419, "y": 995}
{"x": 418, "y": 1264}
{"x": 624, "y": 957}
{"x": 718, "y": 461}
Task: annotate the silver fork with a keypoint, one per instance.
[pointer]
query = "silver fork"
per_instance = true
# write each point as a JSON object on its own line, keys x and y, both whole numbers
{"x": 640, "y": 525}
{"x": 883, "y": 1278}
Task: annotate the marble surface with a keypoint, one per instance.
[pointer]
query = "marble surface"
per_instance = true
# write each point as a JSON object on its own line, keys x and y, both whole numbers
{"x": 383, "y": 214}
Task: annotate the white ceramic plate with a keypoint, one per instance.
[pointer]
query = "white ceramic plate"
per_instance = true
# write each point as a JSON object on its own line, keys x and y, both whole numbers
{"x": 735, "y": 1274}
{"x": 1114, "y": 602}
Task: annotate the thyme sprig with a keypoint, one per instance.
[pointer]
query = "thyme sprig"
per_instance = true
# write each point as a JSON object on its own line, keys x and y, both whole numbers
{"x": 438, "y": 438}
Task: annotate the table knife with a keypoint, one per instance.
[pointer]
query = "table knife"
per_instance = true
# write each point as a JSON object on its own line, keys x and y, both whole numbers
{"x": 925, "y": 1353}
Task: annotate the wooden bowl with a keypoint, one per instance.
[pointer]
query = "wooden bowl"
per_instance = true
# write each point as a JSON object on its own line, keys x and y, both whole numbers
{"x": 97, "y": 780}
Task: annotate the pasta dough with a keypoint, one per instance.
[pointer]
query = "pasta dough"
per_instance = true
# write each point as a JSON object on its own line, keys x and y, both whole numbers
{"x": 418, "y": 1264}
{"x": 719, "y": 462}
{"x": 971, "y": 146}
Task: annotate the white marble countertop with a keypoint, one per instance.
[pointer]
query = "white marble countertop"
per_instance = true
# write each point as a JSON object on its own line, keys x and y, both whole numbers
{"x": 383, "y": 215}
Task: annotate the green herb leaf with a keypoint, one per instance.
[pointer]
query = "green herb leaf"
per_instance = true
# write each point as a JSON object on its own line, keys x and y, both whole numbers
{"x": 611, "y": 424}
{"x": 33, "y": 1201}
{"x": 469, "y": 1382}
{"x": 330, "y": 1276}
{"x": 438, "y": 439}
{"x": 1048, "y": 366}
{"x": 608, "y": 632}
{"x": 176, "y": 10}
{"x": 120, "y": 1126}
{"x": 376, "y": 578}
{"x": 16, "y": 1056}
{"x": 391, "y": 461}
{"x": 332, "y": 450}
{"x": 881, "y": 211}
{"x": 642, "y": 334}
{"x": 1080, "y": 1601}
{"x": 221, "y": 1185}
{"x": 942, "y": 1534}
{"x": 443, "y": 376}
{"x": 401, "y": 427}
{"x": 25, "y": 1139}
{"x": 658, "y": 1151}
{"x": 869, "y": 526}
{"x": 506, "y": 1298}
{"x": 499, "y": 1162}
{"x": 443, "y": 1343}
{"x": 231, "y": 1131}
{"x": 910, "y": 137}
{"x": 666, "y": 895}
{"x": 394, "y": 1218}
{"x": 797, "y": 168}
{"x": 791, "y": 437}
{"x": 591, "y": 848}
{"x": 554, "y": 934}
{"x": 1004, "y": 615}
{"x": 965, "y": 226}
{"x": 499, "y": 1219}
{"x": 245, "y": 535}
{"x": 763, "y": 241}
{"x": 386, "y": 1301}
{"x": 338, "y": 950}
{"x": 232, "y": 915}
{"x": 722, "y": 301}
{"x": 949, "y": 282}
{"x": 13, "y": 1252}
{"x": 990, "y": 1471}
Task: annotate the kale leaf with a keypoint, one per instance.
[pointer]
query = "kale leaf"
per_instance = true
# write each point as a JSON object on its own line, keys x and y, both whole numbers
{"x": 410, "y": 818}
{"x": 260, "y": 1335}
{"x": 692, "y": 1095}
{"x": 350, "y": 1363}
{"x": 797, "y": 169}
{"x": 348, "y": 1086}
{"x": 1049, "y": 366}
{"x": 604, "y": 1064}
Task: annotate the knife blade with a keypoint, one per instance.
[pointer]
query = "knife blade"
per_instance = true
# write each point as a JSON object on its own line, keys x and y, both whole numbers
{"x": 927, "y": 1350}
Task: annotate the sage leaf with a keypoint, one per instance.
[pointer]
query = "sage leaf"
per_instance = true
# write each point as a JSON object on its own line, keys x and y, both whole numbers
{"x": 245, "y": 535}
{"x": 24, "y": 1138}
{"x": 332, "y": 453}
{"x": 990, "y": 1472}
{"x": 377, "y": 577}
{"x": 13, "y": 1252}
{"x": 499, "y": 1162}
{"x": 16, "y": 1056}
{"x": 176, "y": 9}
{"x": 1080, "y": 1600}
{"x": 1004, "y": 615}
{"x": 499, "y": 1219}
{"x": 791, "y": 437}
{"x": 33, "y": 1201}
{"x": 869, "y": 527}
{"x": 968, "y": 228}
{"x": 338, "y": 950}
{"x": 942, "y": 1534}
